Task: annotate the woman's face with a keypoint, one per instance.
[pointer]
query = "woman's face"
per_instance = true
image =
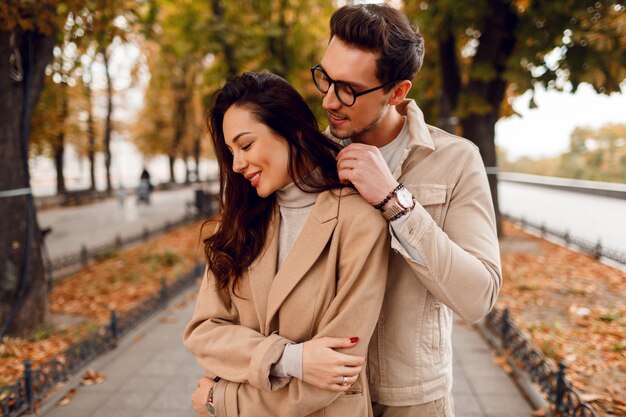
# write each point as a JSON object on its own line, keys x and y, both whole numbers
{"x": 259, "y": 154}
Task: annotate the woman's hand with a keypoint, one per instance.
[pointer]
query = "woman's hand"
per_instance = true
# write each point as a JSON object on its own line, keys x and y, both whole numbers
{"x": 325, "y": 368}
{"x": 199, "y": 396}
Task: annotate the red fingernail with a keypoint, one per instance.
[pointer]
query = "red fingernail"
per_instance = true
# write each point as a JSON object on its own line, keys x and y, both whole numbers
{"x": 354, "y": 339}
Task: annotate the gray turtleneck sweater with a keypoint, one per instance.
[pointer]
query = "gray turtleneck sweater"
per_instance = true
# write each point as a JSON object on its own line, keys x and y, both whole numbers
{"x": 295, "y": 207}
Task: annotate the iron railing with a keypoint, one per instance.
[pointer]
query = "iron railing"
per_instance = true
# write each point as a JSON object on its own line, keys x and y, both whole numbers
{"x": 596, "y": 249}
{"x": 85, "y": 255}
{"x": 550, "y": 378}
{"x": 36, "y": 384}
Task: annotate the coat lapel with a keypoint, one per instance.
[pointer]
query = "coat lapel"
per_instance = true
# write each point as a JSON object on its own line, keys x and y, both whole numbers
{"x": 309, "y": 245}
{"x": 263, "y": 270}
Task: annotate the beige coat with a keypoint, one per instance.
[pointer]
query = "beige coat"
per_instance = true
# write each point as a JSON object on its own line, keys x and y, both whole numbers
{"x": 331, "y": 284}
{"x": 453, "y": 229}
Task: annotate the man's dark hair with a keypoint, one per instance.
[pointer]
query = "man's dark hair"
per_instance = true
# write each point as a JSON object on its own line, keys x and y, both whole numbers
{"x": 382, "y": 29}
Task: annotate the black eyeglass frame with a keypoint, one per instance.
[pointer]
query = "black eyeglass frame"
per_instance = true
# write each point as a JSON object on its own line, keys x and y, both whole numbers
{"x": 334, "y": 83}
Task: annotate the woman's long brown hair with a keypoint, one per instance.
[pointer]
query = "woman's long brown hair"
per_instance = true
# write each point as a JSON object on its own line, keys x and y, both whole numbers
{"x": 244, "y": 216}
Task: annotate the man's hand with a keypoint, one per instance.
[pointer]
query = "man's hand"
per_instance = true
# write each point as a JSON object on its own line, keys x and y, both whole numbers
{"x": 325, "y": 368}
{"x": 364, "y": 167}
{"x": 199, "y": 396}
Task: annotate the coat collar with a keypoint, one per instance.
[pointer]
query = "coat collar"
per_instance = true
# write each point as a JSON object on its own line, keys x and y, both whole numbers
{"x": 270, "y": 288}
{"x": 419, "y": 134}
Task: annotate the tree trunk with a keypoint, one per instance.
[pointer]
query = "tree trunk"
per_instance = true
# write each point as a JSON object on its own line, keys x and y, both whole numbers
{"x": 59, "y": 145}
{"x": 91, "y": 135}
{"x": 196, "y": 154}
{"x": 451, "y": 76}
{"x": 187, "y": 170}
{"x": 496, "y": 46}
{"x": 181, "y": 93}
{"x": 220, "y": 31}
{"x": 23, "y": 289}
{"x": 59, "y": 151}
{"x": 107, "y": 123}
{"x": 172, "y": 159}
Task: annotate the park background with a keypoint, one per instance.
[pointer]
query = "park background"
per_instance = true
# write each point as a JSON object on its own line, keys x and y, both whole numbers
{"x": 99, "y": 89}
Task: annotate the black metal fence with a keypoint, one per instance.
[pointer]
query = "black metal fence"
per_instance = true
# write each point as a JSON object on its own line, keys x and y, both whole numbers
{"x": 85, "y": 255}
{"x": 35, "y": 384}
{"x": 596, "y": 249}
{"x": 550, "y": 378}
{"x": 204, "y": 204}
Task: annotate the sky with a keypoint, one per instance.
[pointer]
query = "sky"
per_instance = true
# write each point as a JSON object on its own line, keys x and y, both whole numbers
{"x": 545, "y": 131}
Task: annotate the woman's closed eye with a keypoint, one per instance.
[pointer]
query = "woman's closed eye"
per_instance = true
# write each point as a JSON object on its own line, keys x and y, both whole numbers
{"x": 246, "y": 146}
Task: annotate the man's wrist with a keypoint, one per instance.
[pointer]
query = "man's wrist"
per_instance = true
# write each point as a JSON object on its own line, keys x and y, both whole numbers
{"x": 385, "y": 201}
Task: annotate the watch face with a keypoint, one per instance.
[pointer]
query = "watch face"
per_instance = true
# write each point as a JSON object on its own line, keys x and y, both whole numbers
{"x": 404, "y": 198}
{"x": 210, "y": 409}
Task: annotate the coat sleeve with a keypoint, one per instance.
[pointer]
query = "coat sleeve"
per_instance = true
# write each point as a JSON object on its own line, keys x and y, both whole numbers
{"x": 353, "y": 312}
{"x": 460, "y": 264}
{"x": 223, "y": 346}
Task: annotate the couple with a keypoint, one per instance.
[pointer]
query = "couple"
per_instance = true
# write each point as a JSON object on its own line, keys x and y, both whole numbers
{"x": 302, "y": 293}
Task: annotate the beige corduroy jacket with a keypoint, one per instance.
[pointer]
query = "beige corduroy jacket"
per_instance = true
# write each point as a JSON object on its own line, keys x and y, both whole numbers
{"x": 453, "y": 230}
{"x": 331, "y": 284}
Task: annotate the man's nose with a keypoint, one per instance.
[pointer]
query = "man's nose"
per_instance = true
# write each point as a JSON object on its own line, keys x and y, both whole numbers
{"x": 330, "y": 100}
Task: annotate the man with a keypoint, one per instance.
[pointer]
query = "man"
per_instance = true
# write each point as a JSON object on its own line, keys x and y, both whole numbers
{"x": 432, "y": 188}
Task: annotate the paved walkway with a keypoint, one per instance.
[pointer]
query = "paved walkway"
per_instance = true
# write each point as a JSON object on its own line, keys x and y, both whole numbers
{"x": 100, "y": 223}
{"x": 151, "y": 374}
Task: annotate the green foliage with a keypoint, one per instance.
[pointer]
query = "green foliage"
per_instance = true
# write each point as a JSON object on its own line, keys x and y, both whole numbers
{"x": 165, "y": 259}
{"x": 552, "y": 43}
{"x": 43, "y": 333}
{"x": 195, "y": 45}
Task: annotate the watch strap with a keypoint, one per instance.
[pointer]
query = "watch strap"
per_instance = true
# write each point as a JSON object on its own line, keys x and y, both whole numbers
{"x": 393, "y": 192}
{"x": 396, "y": 210}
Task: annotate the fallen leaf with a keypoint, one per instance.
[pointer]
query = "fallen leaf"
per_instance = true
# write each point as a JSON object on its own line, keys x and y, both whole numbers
{"x": 167, "y": 319}
{"x": 92, "y": 377}
{"x": 68, "y": 397}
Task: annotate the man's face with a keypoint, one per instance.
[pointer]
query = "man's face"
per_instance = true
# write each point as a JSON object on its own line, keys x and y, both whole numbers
{"x": 358, "y": 68}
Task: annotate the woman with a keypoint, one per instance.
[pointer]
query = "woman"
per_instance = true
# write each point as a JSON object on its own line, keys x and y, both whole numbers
{"x": 295, "y": 258}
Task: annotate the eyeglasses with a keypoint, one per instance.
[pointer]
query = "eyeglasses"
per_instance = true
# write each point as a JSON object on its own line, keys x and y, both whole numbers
{"x": 345, "y": 93}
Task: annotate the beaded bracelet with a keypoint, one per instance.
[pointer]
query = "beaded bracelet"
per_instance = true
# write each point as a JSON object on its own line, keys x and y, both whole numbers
{"x": 391, "y": 194}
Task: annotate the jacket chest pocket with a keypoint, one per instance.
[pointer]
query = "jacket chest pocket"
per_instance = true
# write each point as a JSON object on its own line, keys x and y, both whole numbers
{"x": 433, "y": 197}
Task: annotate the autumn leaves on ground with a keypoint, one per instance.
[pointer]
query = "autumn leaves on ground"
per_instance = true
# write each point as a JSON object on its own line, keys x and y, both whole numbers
{"x": 571, "y": 305}
{"x": 574, "y": 309}
{"x": 118, "y": 282}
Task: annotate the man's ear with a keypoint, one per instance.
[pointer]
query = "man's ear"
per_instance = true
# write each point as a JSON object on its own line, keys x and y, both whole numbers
{"x": 399, "y": 92}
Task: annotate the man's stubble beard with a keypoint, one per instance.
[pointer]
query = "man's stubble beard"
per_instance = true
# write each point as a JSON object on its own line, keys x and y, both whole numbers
{"x": 357, "y": 135}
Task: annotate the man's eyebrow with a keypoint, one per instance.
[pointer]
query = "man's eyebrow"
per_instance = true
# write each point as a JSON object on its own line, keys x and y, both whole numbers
{"x": 236, "y": 138}
{"x": 351, "y": 83}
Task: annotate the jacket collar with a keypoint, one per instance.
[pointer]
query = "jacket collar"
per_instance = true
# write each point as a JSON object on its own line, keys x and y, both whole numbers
{"x": 419, "y": 134}
{"x": 270, "y": 288}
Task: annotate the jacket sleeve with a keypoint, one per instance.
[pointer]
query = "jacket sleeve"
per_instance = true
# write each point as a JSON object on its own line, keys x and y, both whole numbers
{"x": 224, "y": 347}
{"x": 460, "y": 264}
{"x": 354, "y": 311}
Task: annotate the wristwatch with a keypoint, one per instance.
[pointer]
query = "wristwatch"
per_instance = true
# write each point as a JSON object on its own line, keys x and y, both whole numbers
{"x": 403, "y": 203}
{"x": 210, "y": 407}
